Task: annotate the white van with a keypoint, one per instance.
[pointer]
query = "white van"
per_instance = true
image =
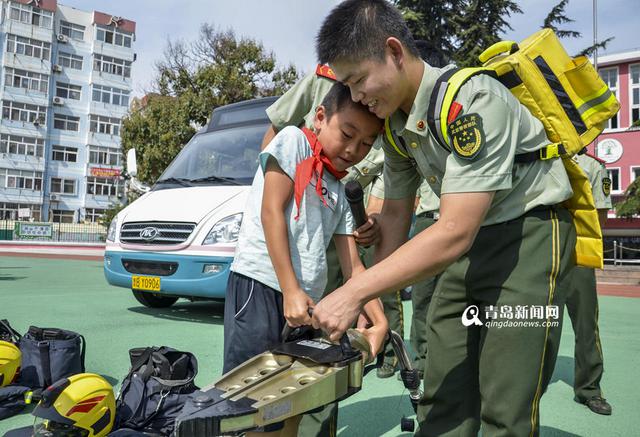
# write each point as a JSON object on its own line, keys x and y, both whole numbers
{"x": 178, "y": 239}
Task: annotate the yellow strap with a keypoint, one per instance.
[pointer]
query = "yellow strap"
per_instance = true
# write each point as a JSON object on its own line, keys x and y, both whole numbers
{"x": 455, "y": 83}
{"x": 387, "y": 130}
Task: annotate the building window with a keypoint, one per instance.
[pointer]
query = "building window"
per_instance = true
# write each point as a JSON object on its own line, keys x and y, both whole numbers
{"x": 66, "y": 122}
{"x": 614, "y": 175}
{"x": 64, "y": 153}
{"x": 63, "y": 186}
{"x": 114, "y": 36}
{"x": 73, "y": 31}
{"x": 104, "y": 155}
{"x": 26, "y": 79}
{"x": 62, "y": 216}
{"x": 70, "y": 61}
{"x": 635, "y": 173}
{"x": 18, "y": 145}
{"x": 107, "y": 64}
{"x": 93, "y": 215}
{"x": 110, "y": 95}
{"x": 9, "y": 211}
{"x": 104, "y": 125}
{"x": 68, "y": 91}
{"x": 610, "y": 77}
{"x": 21, "y": 179}
{"x": 634, "y": 77}
{"x": 102, "y": 186}
{"x": 28, "y": 47}
{"x": 29, "y": 15}
{"x": 24, "y": 112}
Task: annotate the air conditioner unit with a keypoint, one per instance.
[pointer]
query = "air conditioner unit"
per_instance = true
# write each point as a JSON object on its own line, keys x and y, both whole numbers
{"x": 58, "y": 101}
{"x": 37, "y": 122}
{"x": 56, "y": 68}
{"x": 63, "y": 38}
{"x": 54, "y": 197}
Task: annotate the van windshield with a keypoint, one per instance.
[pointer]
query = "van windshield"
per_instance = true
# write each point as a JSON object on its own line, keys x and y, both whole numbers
{"x": 224, "y": 157}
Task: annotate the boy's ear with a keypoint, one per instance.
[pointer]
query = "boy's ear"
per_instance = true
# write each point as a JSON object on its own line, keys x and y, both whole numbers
{"x": 320, "y": 118}
{"x": 396, "y": 49}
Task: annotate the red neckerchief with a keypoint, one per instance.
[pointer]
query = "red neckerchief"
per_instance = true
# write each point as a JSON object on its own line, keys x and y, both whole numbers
{"x": 315, "y": 164}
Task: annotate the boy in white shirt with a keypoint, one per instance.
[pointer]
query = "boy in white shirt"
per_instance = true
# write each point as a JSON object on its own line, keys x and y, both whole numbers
{"x": 296, "y": 205}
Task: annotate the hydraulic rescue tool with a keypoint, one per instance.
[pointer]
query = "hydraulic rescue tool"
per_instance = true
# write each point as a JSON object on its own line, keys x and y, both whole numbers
{"x": 293, "y": 378}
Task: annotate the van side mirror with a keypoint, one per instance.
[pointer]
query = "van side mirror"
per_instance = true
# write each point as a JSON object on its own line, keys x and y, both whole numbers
{"x": 132, "y": 167}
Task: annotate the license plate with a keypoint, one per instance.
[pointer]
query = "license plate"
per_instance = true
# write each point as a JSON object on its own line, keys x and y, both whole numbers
{"x": 149, "y": 283}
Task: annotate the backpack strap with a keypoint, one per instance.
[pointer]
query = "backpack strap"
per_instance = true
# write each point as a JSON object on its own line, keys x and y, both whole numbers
{"x": 442, "y": 103}
{"x": 15, "y": 335}
{"x": 45, "y": 362}
{"x": 442, "y": 98}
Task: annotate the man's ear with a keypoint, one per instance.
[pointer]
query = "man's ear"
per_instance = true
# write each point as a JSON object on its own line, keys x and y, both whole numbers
{"x": 396, "y": 50}
{"x": 320, "y": 119}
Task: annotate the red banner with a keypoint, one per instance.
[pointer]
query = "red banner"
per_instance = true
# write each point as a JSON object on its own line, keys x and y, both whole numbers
{"x": 101, "y": 172}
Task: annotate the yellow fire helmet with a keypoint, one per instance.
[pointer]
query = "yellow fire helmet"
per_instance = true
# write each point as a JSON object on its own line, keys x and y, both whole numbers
{"x": 10, "y": 358}
{"x": 81, "y": 405}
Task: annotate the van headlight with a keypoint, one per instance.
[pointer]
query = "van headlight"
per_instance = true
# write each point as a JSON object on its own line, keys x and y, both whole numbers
{"x": 225, "y": 231}
{"x": 111, "y": 232}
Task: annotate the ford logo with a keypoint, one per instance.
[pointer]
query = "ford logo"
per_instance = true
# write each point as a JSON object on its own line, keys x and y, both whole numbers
{"x": 149, "y": 234}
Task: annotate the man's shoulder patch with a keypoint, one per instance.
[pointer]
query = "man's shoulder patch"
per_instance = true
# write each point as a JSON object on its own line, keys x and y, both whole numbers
{"x": 467, "y": 135}
{"x": 606, "y": 185}
{"x": 325, "y": 71}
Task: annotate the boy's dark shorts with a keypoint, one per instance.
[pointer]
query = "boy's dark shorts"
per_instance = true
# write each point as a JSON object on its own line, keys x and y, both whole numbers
{"x": 253, "y": 322}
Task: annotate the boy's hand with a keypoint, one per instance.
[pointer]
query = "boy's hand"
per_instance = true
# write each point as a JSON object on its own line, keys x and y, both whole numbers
{"x": 296, "y": 307}
{"x": 376, "y": 335}
{"x": 369, "y": 233}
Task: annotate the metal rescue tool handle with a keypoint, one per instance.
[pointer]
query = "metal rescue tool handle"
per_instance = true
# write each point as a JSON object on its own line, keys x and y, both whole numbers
{"x": 345, "y": 344}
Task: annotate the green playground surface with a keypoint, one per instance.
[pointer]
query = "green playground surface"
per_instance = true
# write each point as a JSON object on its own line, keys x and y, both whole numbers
{"x": 74, "y": 295}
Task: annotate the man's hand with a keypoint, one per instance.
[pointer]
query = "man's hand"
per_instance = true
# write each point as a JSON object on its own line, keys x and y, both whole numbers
{"x": 296, "y": 305}
{"x": 369, "y": 233}
{"x": 336, "y": 313}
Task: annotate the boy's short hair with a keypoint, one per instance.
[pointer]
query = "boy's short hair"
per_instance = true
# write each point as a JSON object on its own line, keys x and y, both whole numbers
{"x": 358, "y": 29}
{"x": 339, "y": 97}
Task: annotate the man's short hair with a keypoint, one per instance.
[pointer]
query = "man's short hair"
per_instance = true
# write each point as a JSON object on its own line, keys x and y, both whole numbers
{"x": 338, "y": 98}
{"x": 358, "y": 29}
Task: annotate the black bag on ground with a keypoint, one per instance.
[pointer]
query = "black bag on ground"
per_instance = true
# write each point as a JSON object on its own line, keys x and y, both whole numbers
{"x": 7, "y": 333}
{"x": 155, "y": 389}
{"x": 50, "y": 354}
{"x": 12, "y": 400}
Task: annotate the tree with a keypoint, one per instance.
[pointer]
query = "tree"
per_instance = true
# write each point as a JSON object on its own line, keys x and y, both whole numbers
{"x": 218, "y": 69}
{"x": 557, "y": 16}
{"x": 158, "y": 129}
{"x": 193, "y": 79}
{"x": 431, "y": 21}
{"x": 630, "y": 206}
{"x": 480, "y": 26}
{"x": 459, "y": 30}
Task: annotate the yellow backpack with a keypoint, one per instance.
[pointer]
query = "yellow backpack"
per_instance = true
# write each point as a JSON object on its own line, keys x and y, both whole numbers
{"x": 566, "y": 94}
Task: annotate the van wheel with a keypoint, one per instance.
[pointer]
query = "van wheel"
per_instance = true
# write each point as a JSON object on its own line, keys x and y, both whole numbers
{"x": 152, "y": 300}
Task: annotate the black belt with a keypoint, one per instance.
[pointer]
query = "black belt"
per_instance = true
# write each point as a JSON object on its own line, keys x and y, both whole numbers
{"x": 427, "y": 214}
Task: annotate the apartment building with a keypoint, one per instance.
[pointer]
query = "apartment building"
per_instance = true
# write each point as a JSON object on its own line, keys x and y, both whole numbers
{"x": 65, "y": 86}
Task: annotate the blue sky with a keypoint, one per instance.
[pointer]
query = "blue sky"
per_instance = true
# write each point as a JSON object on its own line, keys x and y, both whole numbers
{"x": 288, "y": 27}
